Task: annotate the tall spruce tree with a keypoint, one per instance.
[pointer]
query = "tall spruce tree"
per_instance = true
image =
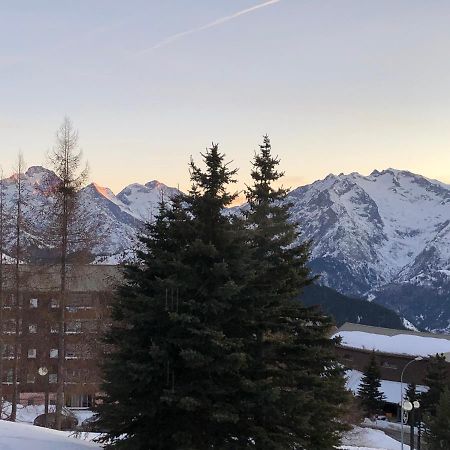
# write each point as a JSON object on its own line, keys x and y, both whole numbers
{"x": 137, "y": 365}
{"x": 437, "y": 380}
{"x": 172, "y": 375}
{"x": 297, "y": 389}
{"x": 369, "y": 391}
{"x": 438, "y": 427}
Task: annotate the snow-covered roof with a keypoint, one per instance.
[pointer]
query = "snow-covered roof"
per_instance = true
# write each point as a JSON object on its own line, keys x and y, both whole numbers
{"x": 390, "y": 389}
{"x": 401, "y": 342}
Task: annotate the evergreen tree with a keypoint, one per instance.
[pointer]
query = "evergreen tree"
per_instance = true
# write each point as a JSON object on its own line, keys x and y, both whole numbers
{"x": 412, "y": 395}
{"x": 436, "y": 379}
{"x": 172, "y": 376}
{"x": 209, "y": 349}
{"x": 438, "y": 427}
{"x": 297, "y": 390}
{"x": 136, "y": 365}
{"x": 369, "y": 390}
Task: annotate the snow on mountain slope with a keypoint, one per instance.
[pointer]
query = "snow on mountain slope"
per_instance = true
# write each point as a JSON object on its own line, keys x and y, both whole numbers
{"x": 117, "y": 218}
{"x": 372, "y": 230}
{"x": 142, "y": 200}
{"x": 385, "y": 236}
{"x": 117, "y": 227}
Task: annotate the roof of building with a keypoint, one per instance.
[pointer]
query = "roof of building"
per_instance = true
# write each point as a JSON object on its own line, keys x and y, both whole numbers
{"x": 396, "y": 342}
{"x": 80, "y": 278}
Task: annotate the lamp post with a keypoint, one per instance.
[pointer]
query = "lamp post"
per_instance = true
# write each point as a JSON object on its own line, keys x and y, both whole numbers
{"x": 410, "y": 406}
{"x": 416, "y": 406}
{"x": 43, "y": 372}
{"x": 406, "y": 403}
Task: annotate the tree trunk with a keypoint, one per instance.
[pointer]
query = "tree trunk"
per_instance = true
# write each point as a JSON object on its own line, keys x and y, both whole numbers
{"x": 61, "y": 343}
{"x": 15, "y": 394}
{"x": 2, "y": 238}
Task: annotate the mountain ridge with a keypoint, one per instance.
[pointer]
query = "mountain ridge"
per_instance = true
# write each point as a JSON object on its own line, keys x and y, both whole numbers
{"x": 372, "y": 235}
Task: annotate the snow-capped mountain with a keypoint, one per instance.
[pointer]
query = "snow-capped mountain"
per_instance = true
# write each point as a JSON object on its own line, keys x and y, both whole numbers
{"x": 385, "y": 227}
{"x": 123, "y": 215}
{"x": 382, "y": 236}
{"x": 385, "y": 236}
{"x": 142, "y": 200}
{"x": 118, "y": 217}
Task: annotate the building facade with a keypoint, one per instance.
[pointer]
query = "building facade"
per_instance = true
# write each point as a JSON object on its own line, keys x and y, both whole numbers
{"x": 393, "y": 350}
{"x": 30, "y": 326}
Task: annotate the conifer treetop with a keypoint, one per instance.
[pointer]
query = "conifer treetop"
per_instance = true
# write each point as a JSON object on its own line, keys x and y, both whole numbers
{"x": 264, "y": 173}
{"x": 214, "y": 180}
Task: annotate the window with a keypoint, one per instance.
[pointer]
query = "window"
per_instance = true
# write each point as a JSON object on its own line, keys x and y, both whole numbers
{"x": 31, "y": 353}
{"x": 33, "y": 302}
{"x": 73, "y": 327}
{"x": 54, "y": 328}
{"x": 79, "y": 401}
{"x": 9, "y": 376}
{"x": 71, "y": 351}
{"x": 32, "y": 329}
{"x": 10, "y": 326}
{"x": 54, "y": 303}
{"x": 8, "y": 351}
{"x": 53, "y": 378}
{"x": 53, "y": 353}
{"x": 10, "y": 300}
{"x": 30, "y": 378}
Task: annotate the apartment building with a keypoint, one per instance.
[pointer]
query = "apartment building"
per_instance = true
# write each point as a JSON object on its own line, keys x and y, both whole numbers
{"x": 30, "y": 322}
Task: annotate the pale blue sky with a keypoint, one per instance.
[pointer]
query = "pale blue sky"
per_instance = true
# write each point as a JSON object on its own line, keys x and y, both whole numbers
{"x": 340, "y": 86}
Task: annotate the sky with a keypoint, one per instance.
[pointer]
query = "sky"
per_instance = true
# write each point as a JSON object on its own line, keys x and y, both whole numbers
{"x": 339, "y": 86}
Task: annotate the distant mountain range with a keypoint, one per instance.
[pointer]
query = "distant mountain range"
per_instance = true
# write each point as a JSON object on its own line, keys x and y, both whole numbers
{"x": 121, "y": 216}
{"x": 384, "y": 237}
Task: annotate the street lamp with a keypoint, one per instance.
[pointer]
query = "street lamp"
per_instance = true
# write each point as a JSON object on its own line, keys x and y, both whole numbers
{"x": 43, "y": 372}
{"x": 411, "y": 407}
{"x": 407, "y": 405}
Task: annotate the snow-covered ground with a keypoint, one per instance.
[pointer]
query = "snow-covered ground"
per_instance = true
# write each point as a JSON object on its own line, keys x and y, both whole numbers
{"x": 368, "y": 439}
{"x": 21, "y": 436}
{"x": 27, "y": 414}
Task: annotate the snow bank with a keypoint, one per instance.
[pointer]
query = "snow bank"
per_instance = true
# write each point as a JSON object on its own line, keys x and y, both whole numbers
{"x": 403, "y": 344}
{"x": 27, "y": 414}
{"x": 369, "y": 439}
{"x": 20, "y": 436}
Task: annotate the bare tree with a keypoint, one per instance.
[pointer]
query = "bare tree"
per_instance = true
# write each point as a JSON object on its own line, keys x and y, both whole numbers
{"x": 2, "y": 256}
{"x": 18, "y": 206}
{"x": 70, "y": 229}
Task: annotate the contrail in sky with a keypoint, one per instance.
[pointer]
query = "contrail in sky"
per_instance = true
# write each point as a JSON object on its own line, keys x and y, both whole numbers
{"x": 212, "y": 24}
